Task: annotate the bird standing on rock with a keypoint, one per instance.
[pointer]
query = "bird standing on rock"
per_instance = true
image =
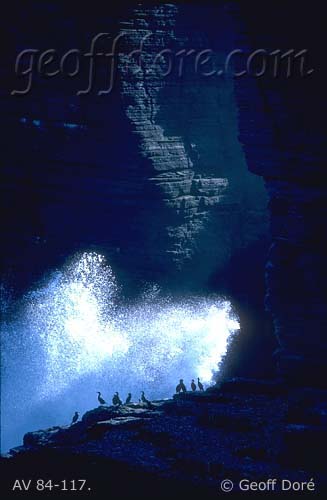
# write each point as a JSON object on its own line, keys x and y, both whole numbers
{"x": 75, "y": 418}
{"x": 143, "y": 398}
{"x": 181, "y": 386}
{"x": 200, "y": 386}
{"x": 128, "y": 399}
{"x": 100, "y": 399}
{"x": 193, "y": 386}
{"x": 145, "y": 401}
{"x": 116, "y": 401}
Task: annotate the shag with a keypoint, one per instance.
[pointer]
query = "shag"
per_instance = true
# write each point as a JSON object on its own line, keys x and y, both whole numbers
{"x": 75, "y": 418}
{"x": 143, "y": 398}
{"x": 128, "y": 399}
{"x": 193, "y": 385}
{"x": 100, "y": 399}
{"x": 181, "y": 386}
{"x": 116, "y": 401}
{"x": 200, "y": 386}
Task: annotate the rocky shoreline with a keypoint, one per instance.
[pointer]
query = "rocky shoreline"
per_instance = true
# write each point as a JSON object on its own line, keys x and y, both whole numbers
{"x": 241, "y": 430}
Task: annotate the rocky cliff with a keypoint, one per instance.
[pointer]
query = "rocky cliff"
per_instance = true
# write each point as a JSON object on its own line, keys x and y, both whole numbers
{"x": 152, "y": 172}
{"x": 284, "y": 144}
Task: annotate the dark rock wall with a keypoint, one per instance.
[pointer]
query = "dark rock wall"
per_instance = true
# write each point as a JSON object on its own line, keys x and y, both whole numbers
{"x": 284, "y": 143}
{"x": 152, "y": 173}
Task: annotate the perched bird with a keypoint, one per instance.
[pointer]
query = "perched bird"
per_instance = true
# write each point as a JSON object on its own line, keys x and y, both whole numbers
{"x": 128, "y": 399}
{"x": 143, "y": 398}
{"x": 145, "y": 401}
{"x": 200, "y": 386}
{"x": 116, "y": 401}
{"x": 100, "y": 399}
{"x": 193, "y": 386}
{"x": 181, "y": 386}
{"x": 75, "y": 418}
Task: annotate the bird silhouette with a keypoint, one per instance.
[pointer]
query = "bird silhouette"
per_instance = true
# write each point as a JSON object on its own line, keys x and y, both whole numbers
{"x": 75, "y": 418}
{"x": 200, "y": 386}
{"x": 146, "y": 402}
{"x": 116, "y": 401}
{"x": 193, "y": 385}
{"x": 128, "y": 399}
{"x": 143, "y": 398}
{"x": 100, "y": 399}
{"x": 181, "y": 386}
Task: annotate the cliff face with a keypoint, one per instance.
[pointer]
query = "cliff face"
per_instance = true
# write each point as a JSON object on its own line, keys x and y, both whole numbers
{"x": 287, "y": 124}
{"x": 186, "y": 127}
{"x": 152, "y": 172}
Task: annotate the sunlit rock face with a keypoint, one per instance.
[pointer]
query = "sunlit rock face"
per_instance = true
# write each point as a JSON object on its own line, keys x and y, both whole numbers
{"x": 76, "y": 335}
{"x": 185, "y": 126}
